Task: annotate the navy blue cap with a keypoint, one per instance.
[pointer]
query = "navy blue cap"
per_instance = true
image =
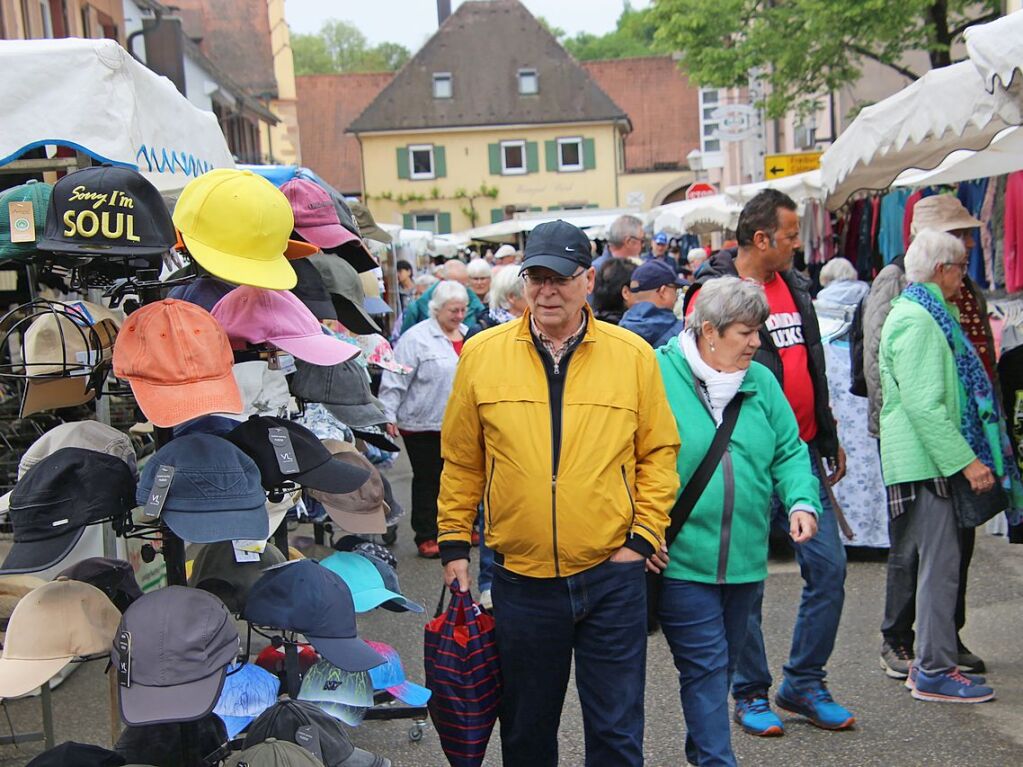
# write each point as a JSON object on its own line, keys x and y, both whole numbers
{"x": 558, "y": 246}
{"x": 652, "y": 274}
{"x": 217, "y": 425}
{"x": 215, "y": 494}
{"x": 306, "y": 597}
{"x": 202, "y": 291}
{"x": 661, "y": 238}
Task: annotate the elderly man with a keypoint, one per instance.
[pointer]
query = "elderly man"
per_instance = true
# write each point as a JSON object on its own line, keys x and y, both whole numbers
{"x": 419, "y": 309}
{"x": 625, "y": 239}
{"x": 560, "y": 423}
{"x": 768, "y": 235}
{"x": 651, "y": 296}
{"x": 506, "y": 255}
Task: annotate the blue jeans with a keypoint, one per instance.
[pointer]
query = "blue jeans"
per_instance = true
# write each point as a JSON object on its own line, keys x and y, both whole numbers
{"x": 600, "y": 616}
{"x": 822, "y": 565}
{"x": 705, "y": 625}
{"x": 486, "y": 578}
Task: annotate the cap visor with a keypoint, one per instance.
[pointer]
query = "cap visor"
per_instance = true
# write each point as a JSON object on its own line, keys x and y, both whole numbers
{"x": 333, "y": 476}
{"x": 355, "y": 318}
{"x": 173, "y": 404}
{"x": 357, "y": 416}
{"x": 319, "y": 349}
{"x": 376, "y": 438}
{"x": 403, "y": 605}
{"x": 33, "y": 556}
{"x": 350, "y": 715}
{"x": 348, "y": 654}
{"x": 566, "y": 267}
{"x": 42, "y": 394}
{"x": 356, "y": 254}
{"x": 326, "y": 236}
{"x": 297, "y": 249}
{"x": 235, "y": 724}
{"x": 353, "y": 522}
{"x": 273, "y": 275}
{"x": 214, "y": 526}
{"x": 322, "y": 310}
{"x": 186, "y": 702}
{"x": 410, "y": 693}
{"x": 375, "y": 305}
{"x": 20, "y": 677}
{"x": 83, "y": 248}
{"x": 362, "y": 758}
{"x": 372, "y": 598}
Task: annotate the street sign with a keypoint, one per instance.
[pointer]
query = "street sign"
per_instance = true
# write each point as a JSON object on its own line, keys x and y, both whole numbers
{"x": 780, "y": 165}
{"x": 736, "y": 122}
{"x": 700, "y": 189}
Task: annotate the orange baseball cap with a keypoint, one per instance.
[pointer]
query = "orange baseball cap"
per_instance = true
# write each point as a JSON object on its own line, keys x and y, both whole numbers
{"x": 178, "y": 361}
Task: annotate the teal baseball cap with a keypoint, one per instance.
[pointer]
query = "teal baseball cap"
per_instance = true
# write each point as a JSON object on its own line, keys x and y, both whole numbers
{"x": 363, "y": 579}
{"x": 36, "y": 192}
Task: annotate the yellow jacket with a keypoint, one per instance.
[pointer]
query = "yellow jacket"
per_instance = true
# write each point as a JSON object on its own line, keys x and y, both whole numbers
{"x": 616, "y": 474}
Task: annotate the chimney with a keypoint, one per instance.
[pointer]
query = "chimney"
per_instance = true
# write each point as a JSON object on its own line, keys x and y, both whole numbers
{"x": 443, "y": 11}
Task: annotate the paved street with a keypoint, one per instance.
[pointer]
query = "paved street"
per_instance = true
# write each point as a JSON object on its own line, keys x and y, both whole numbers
{"x": 893, "y": 730}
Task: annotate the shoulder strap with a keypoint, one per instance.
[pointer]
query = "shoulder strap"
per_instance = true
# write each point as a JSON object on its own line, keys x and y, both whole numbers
{"x": 698, "y": 482}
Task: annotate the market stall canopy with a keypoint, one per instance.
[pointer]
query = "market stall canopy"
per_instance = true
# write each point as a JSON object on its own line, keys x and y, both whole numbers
{"x": 800, "y": 187}
{"x": 92, "y": 96}
{"x": 505, "y": 231}
{"x": 699, "y": 216}
{"x": 1005, "y": 155}
{"x": 996, "y": 50}
{"x": 918, "y": 127}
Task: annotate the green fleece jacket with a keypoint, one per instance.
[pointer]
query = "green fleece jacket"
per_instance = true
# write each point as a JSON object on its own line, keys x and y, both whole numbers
{"x": 725, "y": 538}
{"x": 920, "y": 411}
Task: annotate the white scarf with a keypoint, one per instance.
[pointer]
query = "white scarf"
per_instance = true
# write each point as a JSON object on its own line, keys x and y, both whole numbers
{"x": 719, "y": 387}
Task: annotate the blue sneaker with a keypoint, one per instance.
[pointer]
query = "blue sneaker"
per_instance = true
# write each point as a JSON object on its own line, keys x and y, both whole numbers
{"x": 950, "y": 687}
{"x": 913, "y": 670}
{"x": 755, "y": 716}
{"x": 816, "y": 704}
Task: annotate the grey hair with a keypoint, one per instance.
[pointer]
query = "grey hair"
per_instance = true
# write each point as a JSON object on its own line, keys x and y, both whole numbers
{"x": 622, "y": 228}
{"x": 478, "y": 268}
{"x": 447, "y": 290}
{"x": 425, "y": 279}
{"x": 928, "y": 249}
{"x": 506, "y": 285}
{"x": 451, "y": 267}
{"x": 836, "y": 270}
{"x": 724, "y": 301}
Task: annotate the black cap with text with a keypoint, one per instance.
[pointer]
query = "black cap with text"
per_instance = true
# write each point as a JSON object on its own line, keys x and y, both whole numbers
{"x": 559, "y": 246}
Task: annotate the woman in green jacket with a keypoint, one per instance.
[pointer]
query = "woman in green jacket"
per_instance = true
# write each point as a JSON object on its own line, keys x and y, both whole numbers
{"x": 716, "y": 564}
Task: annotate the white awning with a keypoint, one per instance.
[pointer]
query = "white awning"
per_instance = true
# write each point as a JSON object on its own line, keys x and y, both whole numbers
{"x": 800, "y": 187}
{"x": 1005, "y": 155}
{"x": 589, "y": 219}
{"x": 704, "y": 214}
{"x": 996, "y": 50}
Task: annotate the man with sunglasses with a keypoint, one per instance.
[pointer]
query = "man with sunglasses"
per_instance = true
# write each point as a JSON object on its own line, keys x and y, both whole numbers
{"x": 560, "y": 423}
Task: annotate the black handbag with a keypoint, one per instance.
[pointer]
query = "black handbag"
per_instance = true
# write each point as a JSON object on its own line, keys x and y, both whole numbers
{"x": 687, "y": 500}
{"x": 974, "y": 509}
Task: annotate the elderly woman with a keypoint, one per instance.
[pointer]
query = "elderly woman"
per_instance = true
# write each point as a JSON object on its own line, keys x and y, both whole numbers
{"x": 715, "y": 567}
{"x": 940, "y": 424}
{"x": 479, "y": 278}
{"x": 840, "y": 284}
{"x": 414, "y": 404}
{"x": 507, "y": 300}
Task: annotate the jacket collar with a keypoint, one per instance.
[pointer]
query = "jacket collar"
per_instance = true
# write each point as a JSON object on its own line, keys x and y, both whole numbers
{"x": 523, "y": 332}
{"x": 438, "y": 332}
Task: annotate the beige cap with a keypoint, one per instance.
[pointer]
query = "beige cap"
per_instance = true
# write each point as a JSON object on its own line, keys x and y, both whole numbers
{"x": 12, "y": 589}
{"x": 942, "y": 213}
{"x": 506, "y": 251}
{"x": 51, "y": 626}
{"x": 363, "y": 510}
{"x": 278, "y": 511}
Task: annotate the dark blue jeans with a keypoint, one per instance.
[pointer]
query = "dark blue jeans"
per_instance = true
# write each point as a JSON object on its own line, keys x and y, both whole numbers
{"x": 822, "y": 565}
{"x": 486, "y": 554}
{"x": 599, "y": 615}
{"x": 705, "y": 625}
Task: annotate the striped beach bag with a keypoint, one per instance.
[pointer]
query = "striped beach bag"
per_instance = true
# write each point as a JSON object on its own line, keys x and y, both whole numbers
{"x": 462, "y": 671}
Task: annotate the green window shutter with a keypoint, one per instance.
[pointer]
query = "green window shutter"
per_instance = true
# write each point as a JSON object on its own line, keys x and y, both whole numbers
{"x": 443, "y": 223}
{"x": 496, "y": 215}
{"x": 403, "y": 162}
{"x": 536, "y": 209}
{"x": 532, "y": 157}
{"x": 554, "y": 207}
{"x": 589, "y": 154}
{"x": 494, "y": 151}
{"x": 440, "y": 165}
{"x": 592, "y": 205}
{"x": 550, "y": 149}
{"x": 406, "y": 221}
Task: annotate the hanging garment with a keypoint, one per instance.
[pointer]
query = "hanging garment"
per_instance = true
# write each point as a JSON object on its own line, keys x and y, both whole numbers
{"x": 1014, "y": 232}
{"x": 987, "y": 240}
{"x": 971, "y": 195}
{"x": 893, "y": 209}
{"x": 864, "y": 243}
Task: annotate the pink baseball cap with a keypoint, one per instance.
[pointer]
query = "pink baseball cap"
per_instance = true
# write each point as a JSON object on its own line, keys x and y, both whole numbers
{"x": 255, "y": 316}
{"x": 316, "y": 218}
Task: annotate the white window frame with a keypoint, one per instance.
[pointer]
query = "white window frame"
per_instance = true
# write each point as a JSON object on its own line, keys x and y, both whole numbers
{"x": 529, "y": 72}
{"x": 413, "y": 148}
{"x": 709, "y": 145}
{"x": 571, "y": 168}
{"x": 505, "y": 170}
{"x": 439, "y": 77}
{"x": 431, "y": 222}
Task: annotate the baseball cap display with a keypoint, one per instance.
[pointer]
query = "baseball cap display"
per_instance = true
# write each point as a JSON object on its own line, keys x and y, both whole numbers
{"x": 363, "y": 578}
{"x": 236, "y": 224}
{"x": 343, "y": 388}
{"x": 273, "y": 753}
{"x": 305, "y": 597}
{"x": 558, "y": 246}
{"x": 51, "y": 626}
{"x": 389, "y": 576}
{"x": 343, "y": 283}
{"x": 653, "y": 274}
{"x": 325, "y": 682}
{"x": 178, "y": 361}
{"x": 107, "y": 211}
{"x": 311, "y": 291}
{"x": 256, "y": 316}
{"x": 213, "y": 493}
{"x": 217, "y": 425}
{"x": 942, "y": 213}
{"x": 202, "y": 291}
{"x": 363, "y": 510}
{"x": 248, "y": 691}
{"x": 217, "y": 570}
{"x": 28, "y": 223}
{"x": 57, "y": 498}
{"x": 114, "y": 577}
{"x": 316, "y": 218}
{"x": 367, "y": 225}
{"x": 264, "y": 391}
{"x": 373, "y": 303}
{"x": 77, "y": 754}
{"x": 391, "y": 677}
{"x": 310, "y": 463}
{"x": 170, "y": 653}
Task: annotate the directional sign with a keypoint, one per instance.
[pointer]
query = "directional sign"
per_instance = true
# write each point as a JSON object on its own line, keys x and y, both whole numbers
{"x": 779, "y": 165}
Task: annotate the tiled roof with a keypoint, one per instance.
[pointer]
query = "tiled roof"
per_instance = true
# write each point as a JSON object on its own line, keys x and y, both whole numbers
{"x": 326, "y": 106}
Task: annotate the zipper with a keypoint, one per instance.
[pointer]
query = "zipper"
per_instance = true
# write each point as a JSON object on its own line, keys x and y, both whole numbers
{"x": 490, "y": 484}
{"x": 554, "y": 487}
{"x": 727, "y": 512}
{"x": 632, "y": 503}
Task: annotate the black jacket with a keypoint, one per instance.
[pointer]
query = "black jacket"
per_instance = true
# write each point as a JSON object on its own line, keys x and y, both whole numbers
{"x": 722, "y": 264}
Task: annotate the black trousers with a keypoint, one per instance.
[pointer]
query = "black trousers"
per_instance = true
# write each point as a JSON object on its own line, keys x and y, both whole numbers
{"x": 424, "y": 454}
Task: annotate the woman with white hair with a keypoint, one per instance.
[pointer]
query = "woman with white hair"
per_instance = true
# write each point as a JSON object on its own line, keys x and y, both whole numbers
{"x": 715, "y": 566}
{"x": 840, "y": 284}
{"x": 507, "y": 300}
{"x": 479, "y": 278}
{"x": 414, "y": 403}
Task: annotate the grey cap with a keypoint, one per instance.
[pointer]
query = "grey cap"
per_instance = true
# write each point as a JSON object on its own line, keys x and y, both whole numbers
{"x": 215, "y": 570}
{"x": 273, "y": 753}
{"x": 343, "y": 388}
{"x": 181, "y": 642}
{"x": 343, "y": 283}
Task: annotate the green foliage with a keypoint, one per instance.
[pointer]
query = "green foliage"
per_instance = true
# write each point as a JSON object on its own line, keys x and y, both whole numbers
{"x": 340, "y": 47}
{"x": 633, "y": 36}
{"x": 806, "y": 48}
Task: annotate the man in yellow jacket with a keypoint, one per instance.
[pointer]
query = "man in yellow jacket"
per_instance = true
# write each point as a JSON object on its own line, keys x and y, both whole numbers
{"x": 559, "y": 422}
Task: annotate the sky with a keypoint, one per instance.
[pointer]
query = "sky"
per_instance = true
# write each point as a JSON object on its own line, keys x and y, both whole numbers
{"x": 411, "y": 22}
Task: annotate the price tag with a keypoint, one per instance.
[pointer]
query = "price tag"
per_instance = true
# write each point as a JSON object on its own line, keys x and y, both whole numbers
{"x": 253, "y": 547}
{"x": 124, "y": 659}
{"x": 284, "y": 450}
{"x": 282, "y": 361}
{"x": 23, "y": 222}
{"x": 241, "y": 555}
{"x": 158, "y": 495}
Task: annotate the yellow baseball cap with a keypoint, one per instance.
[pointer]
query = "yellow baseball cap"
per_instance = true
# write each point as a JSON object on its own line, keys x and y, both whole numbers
{"x": 236, "y": 224}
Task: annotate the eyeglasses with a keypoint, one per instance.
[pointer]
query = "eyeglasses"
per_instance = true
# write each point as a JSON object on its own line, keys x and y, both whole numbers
{"x": 538, "y": 281}
{"x": 640, "y": 240}
{"x": 960, "y": 264}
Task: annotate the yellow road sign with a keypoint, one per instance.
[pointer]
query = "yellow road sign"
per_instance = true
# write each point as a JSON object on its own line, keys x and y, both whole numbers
{"x": 779, "y": 165}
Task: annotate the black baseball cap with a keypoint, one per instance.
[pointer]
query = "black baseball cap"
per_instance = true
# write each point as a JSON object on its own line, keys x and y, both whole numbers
{"x": 216, "y": 570}
{"x": 114, "y": 577}
{"x": 107, "y": 211}
{"x": 79, "y": 755}
{"x": 312, "y": 291}
{"x": 558, "y": 246}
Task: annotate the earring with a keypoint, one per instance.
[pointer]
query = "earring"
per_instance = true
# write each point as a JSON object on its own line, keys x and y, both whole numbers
{"x": 712, "y": 348}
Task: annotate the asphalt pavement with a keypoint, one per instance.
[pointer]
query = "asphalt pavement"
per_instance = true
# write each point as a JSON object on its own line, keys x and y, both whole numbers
{"x": 893, "y": 730}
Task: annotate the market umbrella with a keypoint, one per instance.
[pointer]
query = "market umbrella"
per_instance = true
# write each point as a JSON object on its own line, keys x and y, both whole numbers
{"x": 699, "y": 216}
{"x": 800, "y": 187}
{"x": 996, "y": 50}
{"x": 1005, "y": 155}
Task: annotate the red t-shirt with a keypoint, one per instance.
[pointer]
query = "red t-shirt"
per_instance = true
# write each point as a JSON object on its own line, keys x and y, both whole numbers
{"x": 785, "y": 326}
{"x": 458, "y": 347}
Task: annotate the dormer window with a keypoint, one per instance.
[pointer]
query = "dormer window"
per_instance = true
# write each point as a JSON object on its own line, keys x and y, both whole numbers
{"x": 529, "y": 82}
{"x": 442, "y": 85}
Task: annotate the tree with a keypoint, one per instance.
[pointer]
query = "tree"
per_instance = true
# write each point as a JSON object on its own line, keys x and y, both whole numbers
{"x": 806, "y": 48}
{"x": 340, "y": 47}
{"x": 633, "y": 36}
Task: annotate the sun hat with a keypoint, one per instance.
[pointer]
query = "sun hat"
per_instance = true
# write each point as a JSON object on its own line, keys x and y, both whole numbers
{"x": 363, "y": 510}
{"x": 316, "y": 218}
{"x": 558, "y": 246}
{"x": 308, "y": 598}
{"x": 942, "y": 213}
{"x": 79, "y": 755}
{"x": 256, "y": 316}
{"x": 249, "y": 690}
{"x": 311, "y": 291}
{"x": 344, "y": 284}
{"x": 391, "y": 677}
{"x": 214, "y": 493}
{"x": 180, "y": 641}
{"x": 114, "y": 577}
{"x": 273, "y": 753}
{"x": 51, "y": 626}
{"x": 202, "y": 291}
{"x": 236, "y": 225}
{"x": 178, "y": 361}
{"x": 216, "y": 570}
{"x": 373, "y": 303}
{"x": 35, "y": 193}
{"x": 326, "y": 683}
{"x": 363, "y": 578}
{"x": 390, "y": 578}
